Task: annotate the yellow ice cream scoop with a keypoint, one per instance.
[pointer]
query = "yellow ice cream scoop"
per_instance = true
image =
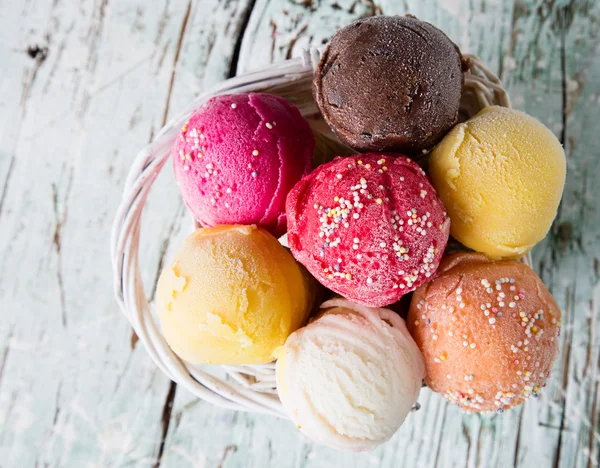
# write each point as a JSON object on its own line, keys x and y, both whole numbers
{"x": 500, "y": 176}
{"x": 232, "y": 295}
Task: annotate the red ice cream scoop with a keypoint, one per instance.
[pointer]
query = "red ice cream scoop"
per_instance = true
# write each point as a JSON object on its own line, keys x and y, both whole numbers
{"x": 369, "y": 227}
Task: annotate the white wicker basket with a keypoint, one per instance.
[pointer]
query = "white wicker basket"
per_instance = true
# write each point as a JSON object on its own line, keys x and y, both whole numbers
{"x": 246, "y": 388}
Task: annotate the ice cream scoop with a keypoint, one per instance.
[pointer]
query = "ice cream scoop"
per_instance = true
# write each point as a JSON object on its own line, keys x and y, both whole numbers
{"x": 501, "y": 176}
{"x": 488, "y": 331}
{"x": 349, "y": 378}
{"x": 238, "y": 156}
{"x": 370, "y": 227}
{"x": 231, "y": 295}
{"x": 389, "y": 83}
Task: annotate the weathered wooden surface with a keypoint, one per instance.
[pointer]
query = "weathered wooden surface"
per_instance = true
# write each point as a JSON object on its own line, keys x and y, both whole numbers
{"x": 84, "y": 84}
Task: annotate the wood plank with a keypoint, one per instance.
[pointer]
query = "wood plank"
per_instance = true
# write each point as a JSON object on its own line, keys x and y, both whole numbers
{"x": 73, "y": 391}
{"x": 541, "y": 67}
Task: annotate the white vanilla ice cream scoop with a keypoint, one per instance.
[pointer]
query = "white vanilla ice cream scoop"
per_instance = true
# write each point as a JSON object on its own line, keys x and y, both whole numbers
{"x": 349, "y": 378}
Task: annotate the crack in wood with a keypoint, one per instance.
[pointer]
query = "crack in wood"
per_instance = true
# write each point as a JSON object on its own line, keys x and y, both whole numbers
{"x": 467, "y": 436}
{"x": 163, "y": 23}
{"x": 293, "y": 41}
{"x": 563, "y": 68}
{"x": 240, "y": 37}
{"x": 566, "y": 359}
{"x": 594, "y": 423}
{"x": 94, "y": 36}
{"x": 121, "y": 75}
{"x": 5, "y": 354}
{"x": 231, "y": 448}
{"x": 57, "y": 404}
{"x": 28, "y": 81}
{"x": 165, "y": 422}
{"x": 57, "y": 59}
{"x": 273, "y": 25}
{"x": 57, "y": 248}
{"x": 439, "y": 444}
{"x": 133, "y": 340}
{"x": 56, "y": 240}
{"x": 518, "y": 439}
{"x": 9, "y": 173}
{"x": 123, "y": 371}
{"x": 182, "y": 30}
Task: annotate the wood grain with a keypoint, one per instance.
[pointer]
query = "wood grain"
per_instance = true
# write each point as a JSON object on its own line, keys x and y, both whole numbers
{"x": 83, "y": 86}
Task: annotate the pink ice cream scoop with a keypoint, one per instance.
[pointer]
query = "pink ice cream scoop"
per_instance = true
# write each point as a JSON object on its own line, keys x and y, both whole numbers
{"x": 369, "y": 227}
{"x": 237, "y": 158}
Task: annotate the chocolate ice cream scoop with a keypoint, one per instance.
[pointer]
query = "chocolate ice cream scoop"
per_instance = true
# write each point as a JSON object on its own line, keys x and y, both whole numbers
{"x": 389, "y": 83}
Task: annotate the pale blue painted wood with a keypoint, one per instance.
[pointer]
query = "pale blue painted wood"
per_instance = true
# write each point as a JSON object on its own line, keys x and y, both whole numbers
{"x": 73, "y": 389}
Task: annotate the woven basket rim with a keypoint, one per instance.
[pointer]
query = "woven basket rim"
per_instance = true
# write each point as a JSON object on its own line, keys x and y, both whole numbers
{"x": 248, "y": 387}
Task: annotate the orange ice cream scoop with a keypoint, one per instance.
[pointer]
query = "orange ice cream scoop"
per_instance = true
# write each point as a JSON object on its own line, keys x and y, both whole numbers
{"x": 488, "y": 331}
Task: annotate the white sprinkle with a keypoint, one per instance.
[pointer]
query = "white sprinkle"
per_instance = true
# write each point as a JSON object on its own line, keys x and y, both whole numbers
{"x": 255, "y": 153}
{"x": 492, "y": 321}
{"x": 228, "y": 190}
{"x": 233, "y": 105}
{"x": 369, "y": 281}
{"x": 269, "y": 126}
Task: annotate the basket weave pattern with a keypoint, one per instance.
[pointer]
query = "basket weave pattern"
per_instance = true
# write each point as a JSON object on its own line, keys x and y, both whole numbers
{"x": 251, "y": 387}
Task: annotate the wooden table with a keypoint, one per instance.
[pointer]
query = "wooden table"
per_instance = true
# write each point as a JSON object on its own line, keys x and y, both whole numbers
{"x": 84, "y": 85}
